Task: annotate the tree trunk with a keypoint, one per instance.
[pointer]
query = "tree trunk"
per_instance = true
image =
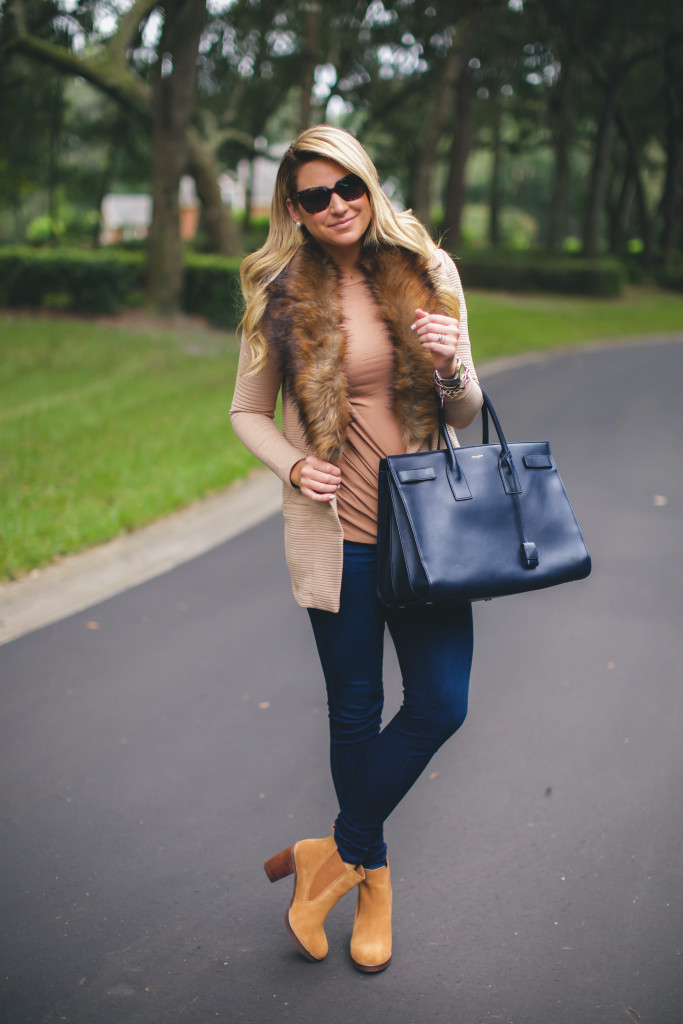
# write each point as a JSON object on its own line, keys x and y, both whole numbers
{"x": 560, "y": 112}
{"x": 436, "y": 124}
{"x": 670, "y": 199}
{"x": 674, "y": 134}
{"x": 598, "y": 182}
{"x": 620, "y": 215}
{"x": 633, "y": 156}
{"x": 494, "y": 193}
{"x": 310, "y": 57}
{"x": 220, "y": 227}
{"x": 53, "y": 153}
{"x": 172, "y": 99}
{"x": 249, "y": 197}
{"x": 456, "y": 187}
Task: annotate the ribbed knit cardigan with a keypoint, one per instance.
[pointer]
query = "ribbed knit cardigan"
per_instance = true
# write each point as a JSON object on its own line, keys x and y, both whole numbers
{"x": 313, "y": 532}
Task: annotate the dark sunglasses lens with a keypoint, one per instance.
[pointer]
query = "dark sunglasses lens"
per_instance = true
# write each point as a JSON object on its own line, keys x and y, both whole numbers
{"x": 350, "y": 187}
{"x": 314, "y": 200}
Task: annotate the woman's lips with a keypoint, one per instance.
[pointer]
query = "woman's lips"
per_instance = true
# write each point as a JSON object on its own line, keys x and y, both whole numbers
{"x": 343, "y": 223}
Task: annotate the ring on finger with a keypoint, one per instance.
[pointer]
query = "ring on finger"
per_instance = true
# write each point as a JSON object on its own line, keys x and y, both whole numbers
{"x": 441, "y": 338}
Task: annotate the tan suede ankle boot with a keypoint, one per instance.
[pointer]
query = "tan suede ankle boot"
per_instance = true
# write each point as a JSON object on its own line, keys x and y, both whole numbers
{"x": 371, "y": 939}
{"x": 321, "y": 878}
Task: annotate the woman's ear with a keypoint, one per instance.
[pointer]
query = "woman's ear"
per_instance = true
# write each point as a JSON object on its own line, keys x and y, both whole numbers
{"x": 293, "y": 213}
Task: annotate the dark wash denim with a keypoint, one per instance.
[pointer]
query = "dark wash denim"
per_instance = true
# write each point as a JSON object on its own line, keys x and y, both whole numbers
{"x": 373, "y": 768}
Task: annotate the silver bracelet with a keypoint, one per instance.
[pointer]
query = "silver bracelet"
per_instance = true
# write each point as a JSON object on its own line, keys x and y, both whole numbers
{"x": 449, "y": 388}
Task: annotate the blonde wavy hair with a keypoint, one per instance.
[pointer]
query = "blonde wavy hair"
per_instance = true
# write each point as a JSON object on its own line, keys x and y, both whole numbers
{"x": 387, "y": 227}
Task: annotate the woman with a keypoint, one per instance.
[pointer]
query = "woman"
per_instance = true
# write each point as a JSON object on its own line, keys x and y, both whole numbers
{"x": 359, "y": 318}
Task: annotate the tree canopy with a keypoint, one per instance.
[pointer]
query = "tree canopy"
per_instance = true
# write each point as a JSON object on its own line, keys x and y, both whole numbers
{"x": 569, "y": 113}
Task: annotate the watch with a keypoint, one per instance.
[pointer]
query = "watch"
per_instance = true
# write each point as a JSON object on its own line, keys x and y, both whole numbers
{"x": 453, "y": 383}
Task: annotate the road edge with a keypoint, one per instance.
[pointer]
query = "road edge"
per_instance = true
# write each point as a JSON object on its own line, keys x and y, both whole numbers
{"x": 75, "y": 583}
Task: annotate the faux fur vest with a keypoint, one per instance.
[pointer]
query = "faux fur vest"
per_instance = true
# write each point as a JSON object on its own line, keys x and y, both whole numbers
{"x": 304, "y": 329}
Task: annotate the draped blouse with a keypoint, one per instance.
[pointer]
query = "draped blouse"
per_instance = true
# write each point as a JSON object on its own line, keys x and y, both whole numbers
{"x": 374, "y": 429}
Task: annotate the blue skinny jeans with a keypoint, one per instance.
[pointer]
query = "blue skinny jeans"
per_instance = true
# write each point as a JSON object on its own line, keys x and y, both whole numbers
{"x": 373, "y": 768}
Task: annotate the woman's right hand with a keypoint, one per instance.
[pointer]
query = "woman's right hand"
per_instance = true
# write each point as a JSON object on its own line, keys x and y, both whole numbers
{"x": 316, "y": 479}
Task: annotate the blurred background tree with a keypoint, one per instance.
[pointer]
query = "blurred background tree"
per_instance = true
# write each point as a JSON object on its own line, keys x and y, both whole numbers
{"x": 503, "y": 123}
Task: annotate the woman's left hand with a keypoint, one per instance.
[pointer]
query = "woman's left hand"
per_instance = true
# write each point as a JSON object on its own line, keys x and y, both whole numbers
{"x": 439, "y": 335}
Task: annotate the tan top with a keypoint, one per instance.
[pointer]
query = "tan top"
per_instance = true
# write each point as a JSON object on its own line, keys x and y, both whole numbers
{"x": 313, "y": 531}
{"x": 374, "y": 431}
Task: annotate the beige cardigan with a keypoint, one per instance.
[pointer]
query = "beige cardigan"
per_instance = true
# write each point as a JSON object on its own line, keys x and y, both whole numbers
{"x": 313, "y": 533}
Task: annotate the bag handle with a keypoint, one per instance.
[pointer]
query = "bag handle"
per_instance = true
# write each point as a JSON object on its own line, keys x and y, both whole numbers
{"x": 506, "y": 467}
{"x": 486, "y": 410}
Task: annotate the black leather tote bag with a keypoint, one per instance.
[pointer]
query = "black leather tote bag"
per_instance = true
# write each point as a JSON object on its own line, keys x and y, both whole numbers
{"x": 466, "y": 524}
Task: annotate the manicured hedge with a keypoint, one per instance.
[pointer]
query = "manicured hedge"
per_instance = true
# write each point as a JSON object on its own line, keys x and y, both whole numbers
{"x": 671, "y": 278}
{"x": 98, "y": 282}
{"x": 527, "y": 273}
{"x": 104, "y": 281}
{"x": 212, "y": 288}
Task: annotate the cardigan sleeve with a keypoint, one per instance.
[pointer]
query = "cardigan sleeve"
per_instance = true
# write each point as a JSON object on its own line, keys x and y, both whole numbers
{"x": 253, "y": 416}
{"x": 461, "y": 409}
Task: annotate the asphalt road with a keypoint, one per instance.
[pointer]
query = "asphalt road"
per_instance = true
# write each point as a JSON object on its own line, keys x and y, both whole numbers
{"x": 155, "y": 749}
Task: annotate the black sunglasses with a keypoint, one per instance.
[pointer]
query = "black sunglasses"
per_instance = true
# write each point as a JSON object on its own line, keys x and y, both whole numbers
{"x": 315, "y": 200}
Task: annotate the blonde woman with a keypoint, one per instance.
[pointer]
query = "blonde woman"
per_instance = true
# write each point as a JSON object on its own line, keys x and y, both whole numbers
{"x": 360, "y": 320}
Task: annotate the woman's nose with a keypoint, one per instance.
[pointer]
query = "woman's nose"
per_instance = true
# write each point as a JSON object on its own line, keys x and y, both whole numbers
{"x": 337, "y": 204}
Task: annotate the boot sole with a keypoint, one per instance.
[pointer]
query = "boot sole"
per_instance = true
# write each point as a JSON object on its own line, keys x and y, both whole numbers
{"x": 371, "y": 968}
{"x": 293, "y": 936}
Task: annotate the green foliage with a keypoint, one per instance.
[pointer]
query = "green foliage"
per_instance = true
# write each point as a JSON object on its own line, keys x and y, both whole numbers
{"x": 519, "y": 230}
{"x": 671, "y": 278}
{"x": 635, "y": 268}
{"x": 522, "y": 272}
{"x": 255, "y": 237}
{"x": 30, "y": 110}
{"x": 212, "y": 288}
{"x": 97, "y": 282}
{"x": 107, "y": 280}
{"x": 44, "y": 229}
{"x": 398, "y": 73}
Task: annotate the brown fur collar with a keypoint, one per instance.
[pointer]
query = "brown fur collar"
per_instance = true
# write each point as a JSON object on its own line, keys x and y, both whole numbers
{"x": 303, "y": 325}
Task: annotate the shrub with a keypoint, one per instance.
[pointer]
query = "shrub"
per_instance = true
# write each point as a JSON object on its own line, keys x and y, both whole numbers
{"x": 212, "y": 288}
{"x": 257, "y": 234}
{"x": 104, "y": 281}
{"x": 635, "y": 269}
{"x": 671, "y": 278}
{"x": 44, "y": 229}
{"x": 85, "y": 282}
{"x": 535, "y": 272}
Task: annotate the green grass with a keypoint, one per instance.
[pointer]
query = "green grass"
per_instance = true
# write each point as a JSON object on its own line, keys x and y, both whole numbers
{"x": 105, "y": 428}
{"x": 505, "y": 325}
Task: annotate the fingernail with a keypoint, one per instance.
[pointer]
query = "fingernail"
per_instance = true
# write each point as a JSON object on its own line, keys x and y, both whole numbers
{"x": 413, "y": 326}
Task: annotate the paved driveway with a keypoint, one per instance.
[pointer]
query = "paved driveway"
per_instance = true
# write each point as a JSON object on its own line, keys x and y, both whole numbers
{"x": 155, "y": 748}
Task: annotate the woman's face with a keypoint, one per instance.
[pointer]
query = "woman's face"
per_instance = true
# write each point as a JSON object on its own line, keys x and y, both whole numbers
{"x": 340, "y": 227}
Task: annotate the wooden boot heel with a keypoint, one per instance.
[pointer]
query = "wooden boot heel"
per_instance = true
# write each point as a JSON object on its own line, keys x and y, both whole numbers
{"x": 281, "y": 865}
